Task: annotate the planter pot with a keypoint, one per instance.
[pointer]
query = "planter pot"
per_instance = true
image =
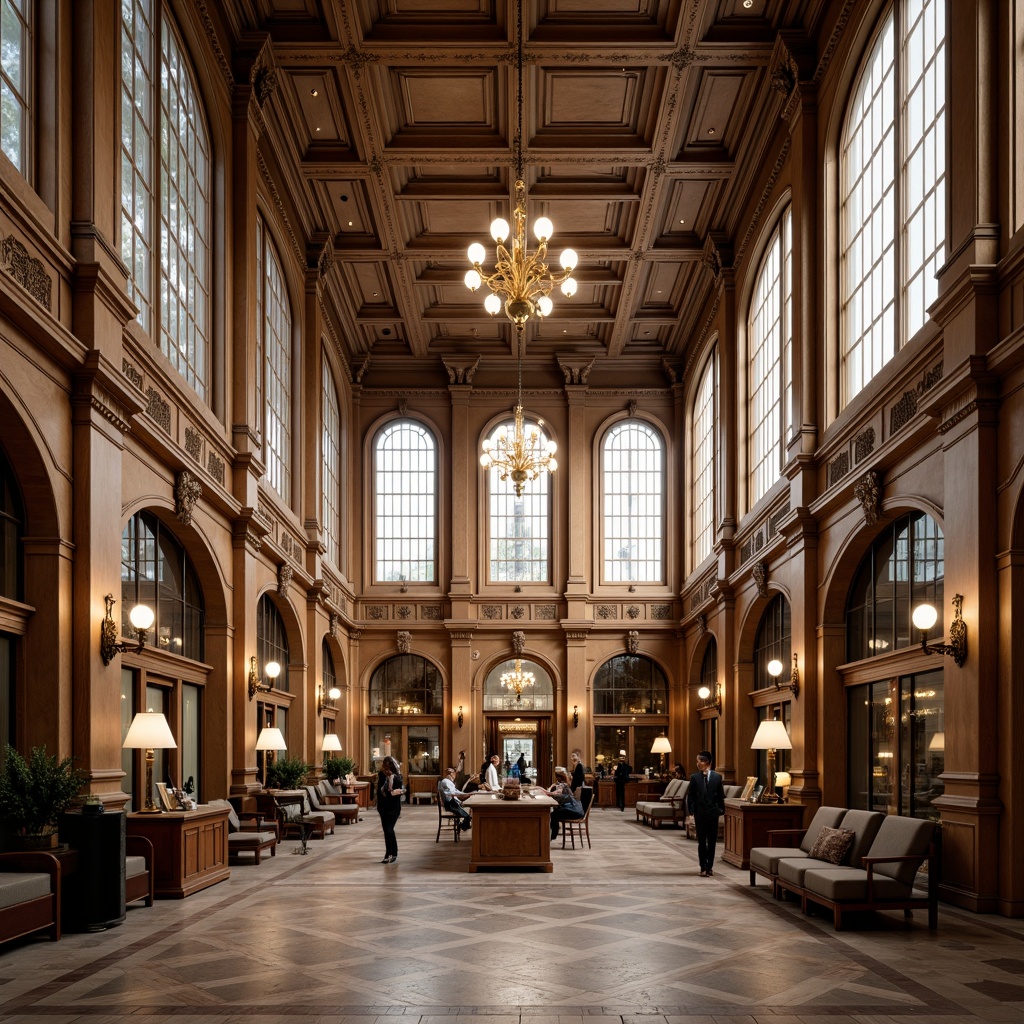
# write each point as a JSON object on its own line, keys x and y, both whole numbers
{"x": 36, "y": 842}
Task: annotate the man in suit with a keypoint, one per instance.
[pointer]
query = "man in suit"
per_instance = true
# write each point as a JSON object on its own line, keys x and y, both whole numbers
{"x": 705, "y": 800}
{"x": 623, "y": 770}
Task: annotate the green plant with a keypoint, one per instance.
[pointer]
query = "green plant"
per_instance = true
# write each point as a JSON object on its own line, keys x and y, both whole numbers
{"x": 287, "y": 773}
{"x": 338, "y": 767}
{"x": 33, "y": 793}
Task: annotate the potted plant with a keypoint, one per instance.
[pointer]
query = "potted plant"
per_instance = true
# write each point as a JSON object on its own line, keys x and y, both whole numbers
{"x": 35, "y": 792}
{"x": 337, "y": 767}
{"x": 287, "y": 773}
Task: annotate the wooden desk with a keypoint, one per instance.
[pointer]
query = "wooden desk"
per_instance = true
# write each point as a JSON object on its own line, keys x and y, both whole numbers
{"x": 747, "y": 825}
{"x": 510, "y": 833}
{"x": 606, "y": 792}
{"x": 190, "y": 848}
{"x": 360, "y": 790}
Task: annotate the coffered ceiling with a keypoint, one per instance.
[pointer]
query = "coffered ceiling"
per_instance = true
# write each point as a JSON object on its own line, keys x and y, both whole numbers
{"x": 645, "y": 127}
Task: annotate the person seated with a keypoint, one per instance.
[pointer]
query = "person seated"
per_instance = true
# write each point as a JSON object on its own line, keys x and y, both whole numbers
{"x": 449, "y": 796}
{"x": 569, "y": 808}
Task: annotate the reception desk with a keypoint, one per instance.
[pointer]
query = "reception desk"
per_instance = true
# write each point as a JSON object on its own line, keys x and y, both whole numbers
{"x": 510, "y": 833}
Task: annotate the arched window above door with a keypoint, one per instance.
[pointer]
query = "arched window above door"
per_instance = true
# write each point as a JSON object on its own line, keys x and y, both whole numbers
{"x": 630, "y": 684}
{"x": 406, "y": 684}
{"x": 540, "y": 696}
{"x": 271, "y": 643}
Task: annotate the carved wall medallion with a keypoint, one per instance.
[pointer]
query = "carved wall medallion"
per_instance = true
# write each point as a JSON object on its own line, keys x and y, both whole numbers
{"x": 158, "y": 409}
{"x": 869, "y": 493}
{"x": 607, "y": 611}
{"x": 215, "y": 467}
{"x": 404, "y": 611}
{"x": 404, "y": 641}
{"x": 29, "y": 272}
{"x": 377, "y": 611}
{"x": 661, "y": 611}
{"x": 545, "y": 611}
{"x": 194, "y": 443}
{"x": 632, "y": 611}
{"x": 284, "y": 577}
{"x": 491, "y": 611}
{"x": 632, "y": 641}
{"x": 518, "y": 642}
{"x": 759, "y": 572}
{"x": 187, "y": 491}
{"x": 431, "y": 612}
{"x": 518, "y": 612}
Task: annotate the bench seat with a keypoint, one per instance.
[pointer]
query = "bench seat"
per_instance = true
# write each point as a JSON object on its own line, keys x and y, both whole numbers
{"x": 29, "y": 894}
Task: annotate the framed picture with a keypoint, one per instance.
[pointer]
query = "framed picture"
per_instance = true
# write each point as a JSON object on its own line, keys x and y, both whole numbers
{"x": 748, "y": 787}
{"x": 755, "y": 796}
{"x": 167, "y": 801}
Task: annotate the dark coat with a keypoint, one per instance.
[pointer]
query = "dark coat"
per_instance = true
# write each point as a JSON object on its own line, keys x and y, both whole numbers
{"x": 706, "y": 798}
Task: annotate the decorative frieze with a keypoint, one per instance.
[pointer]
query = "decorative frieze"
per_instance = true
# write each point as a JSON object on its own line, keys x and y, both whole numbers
{"x": 765, "y": 531}
{"x": 194, "y": 444}
{"x": 187, "y": 491}
{"x": 491, "y": 611}
{"x": 906, "y": 407}
{"x": 607, "y": 611}
{"x": 545, "y": 611}
{"x": 432, "y": 612}
{"x": 29, "y": 272}
{"x": 863, "y": 445}
{"x": 215, "y": 467}
{"x": 702, "y": 592}
{"x": 661, "y": 611}
{"x": 377, "y": 611}
{"x": 135, "y": 376}
{"x": 838, "y": 468}
{"x": 158, "y": 409}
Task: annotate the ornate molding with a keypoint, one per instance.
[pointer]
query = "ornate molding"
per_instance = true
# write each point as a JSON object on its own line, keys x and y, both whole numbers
{"x": 284, "y": 577}
{"x": 574, "y": 371}
{"x": 869, "y": 493}
{"x": 187, "y": 492}
{"x": 759, "y": 574}
{"x": 460, "y": 372}
{"x": 26, "y": 270}
{"x": 518, "y": 642}
{"x": 404, "y": 640}
{"x": 633, "y": 641}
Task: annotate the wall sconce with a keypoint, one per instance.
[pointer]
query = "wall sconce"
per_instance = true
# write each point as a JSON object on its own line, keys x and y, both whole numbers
{"x": 332, "y": 694}
{"x": 575, "y": 715}
{"x": 711, "y": 698}
{"x": 141, "y": 617}
{"x": 272, "y": 669}
{"x": 459, "y": 717}
{"x": 925, "y": 616}
{"x": 793, "y": 683}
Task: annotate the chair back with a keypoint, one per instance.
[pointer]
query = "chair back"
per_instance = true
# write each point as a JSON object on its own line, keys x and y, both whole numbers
{"x": 671, "y": 790}
{"x": 824, "y": 817}
{"x": 865, "y": 824}
{"x": 900, "y": 836}
{"x": 586, "y": 800}
{"x": 234, "y": 825}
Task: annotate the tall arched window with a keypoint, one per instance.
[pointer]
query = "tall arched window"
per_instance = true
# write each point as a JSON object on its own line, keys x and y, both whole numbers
{"x": 772, "y": 642}
{"x": 12, "y": 526}
{"x": 166, "y": 183}
{"x": 770, "y": 373}
{"x": 405, "y": 717}
{"x": 630, "y": 710}
{"x": 15, "y": 79}
{"x": 271, "y": 643}
{"x": 274, "y": 323}
{"x": 704, "y": 455}
{"x": 893, "y": 190}
{"x": 330, "y": 478}
{"x": 328, "y": 682}
{"x": 519, "y": 527}
{"x": 634, "y": 503}
{"x": 405, "y": 504}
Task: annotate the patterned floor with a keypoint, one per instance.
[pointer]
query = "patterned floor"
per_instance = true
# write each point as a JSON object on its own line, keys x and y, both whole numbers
{"x": 623, "y": 933}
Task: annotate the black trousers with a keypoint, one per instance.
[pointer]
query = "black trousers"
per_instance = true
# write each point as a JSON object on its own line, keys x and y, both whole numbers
{"x": 620, "y": 793}
{"x": 388, "y": 820}
{"x": 707, "y": 835}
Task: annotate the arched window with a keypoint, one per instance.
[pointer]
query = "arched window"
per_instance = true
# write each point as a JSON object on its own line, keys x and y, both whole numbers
{"x": 156, "y": 571}
{"x": 12, "y": 585}
{"x": 15, "y": 79}
{"x": 274, "y": 323}
{"x": 893, "y": 190}
{"x": 770, "y": 361}
{"x": 630, "y": 684}
{"x": 704, "y": 456}
{"x": 166, "y": 183}
{"x": 634, "y": 504}
{"x": 711, "y": 705}
{"x": 271, "y": 643}
{"x": 519, "y": 527}
{"x": 538, "y": 697}
{"x": 328, "y": 682}
{"x": 405, "y": 716}
{"x": 330, "y": 479}
{"x": 772, "y": 642}
{"x": 904, "y": 567}
{"x": 405, "y": 684}
{"x": 405, "y": 504}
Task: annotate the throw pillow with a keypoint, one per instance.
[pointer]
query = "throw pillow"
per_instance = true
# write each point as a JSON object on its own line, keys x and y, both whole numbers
{"x": 832, "y": 844}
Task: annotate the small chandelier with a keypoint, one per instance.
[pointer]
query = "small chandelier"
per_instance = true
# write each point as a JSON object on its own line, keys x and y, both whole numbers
{"x": 518, "y": 679}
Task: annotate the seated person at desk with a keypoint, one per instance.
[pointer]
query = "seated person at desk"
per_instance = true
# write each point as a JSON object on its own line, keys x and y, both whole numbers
{"x": 569, "y": 808}
{"x": 450, "y": 799}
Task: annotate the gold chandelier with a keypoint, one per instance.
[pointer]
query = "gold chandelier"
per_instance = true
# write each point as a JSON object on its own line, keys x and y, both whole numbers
{"x": 517, "y": 680}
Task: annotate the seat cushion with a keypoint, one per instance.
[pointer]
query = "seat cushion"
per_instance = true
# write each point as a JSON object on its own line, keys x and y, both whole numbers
{"x": 793, "y": 869}
{"x": 249, "y": 840}
{"x": 766, "y": 858}
{"x": 850, "y": 885}
{"x": 832, "y": 844}
{"x": 823, "y": 817}
{"x": 19, "y": 886}
{"x": 134, "y": 866}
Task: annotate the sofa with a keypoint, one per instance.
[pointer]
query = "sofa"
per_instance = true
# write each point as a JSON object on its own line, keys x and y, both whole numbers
{"x": 670, "y": 806}
{"x": 29, "y": 894}
{"x": 764, "y": 860}
{"x": 138, "y": 870}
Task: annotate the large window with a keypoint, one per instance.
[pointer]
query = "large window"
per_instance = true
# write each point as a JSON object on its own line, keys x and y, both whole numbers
{"x": 165, "y": 190}
{"x": 271, "y": 644}
{"x": 893, "y": 190}
{"x": 630, "y": 684}
{"x": 156, "y": 571}
{"x": 770, "y": 373}
{"x": 405, "y": 504}
{"x": 904, "y": 568}
{"x": 406, "y": 684}
{"x": 772, "y": 642}
{"x": 274, "y": 322}
{"x": 330, "y": 479}
{"x": 634, "y": 504}
{"x": 704, "y": 455}
{"x": 405, "y": 714}
{"x": 519, "y": 526}
{"x": 15, "y": 80}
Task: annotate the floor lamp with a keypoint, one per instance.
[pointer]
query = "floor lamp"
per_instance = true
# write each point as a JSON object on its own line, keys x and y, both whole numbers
{"x": 149, "y": 731}
{"x": 771, "y": 735}
{"x": 661, "y": 746}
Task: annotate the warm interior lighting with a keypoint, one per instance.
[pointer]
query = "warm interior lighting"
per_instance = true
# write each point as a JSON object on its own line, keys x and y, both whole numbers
{"x": 924, "y": 616}
{"x": 704, "y": 692}
{"x": 269, "y": 740}
{"x": 517, "y": 679}
{"x": 331, "y": 742}
{"x": 771, "y": 735}
{"x": 272, "y": 670}
{"x": 141, "y": 617}
{"x": 661, "y": 746}
{"x": 774, "y": 668}
{"x": 149, "y": 731}
{"x": 783, "y": 781}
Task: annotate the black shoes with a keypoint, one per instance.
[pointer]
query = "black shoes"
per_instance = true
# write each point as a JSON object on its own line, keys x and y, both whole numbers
{"x": 390, "y": 858}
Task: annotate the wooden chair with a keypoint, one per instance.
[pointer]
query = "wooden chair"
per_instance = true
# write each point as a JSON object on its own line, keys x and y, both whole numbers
{"x": 580, "y": 826}
{"x": 446, "y": 819}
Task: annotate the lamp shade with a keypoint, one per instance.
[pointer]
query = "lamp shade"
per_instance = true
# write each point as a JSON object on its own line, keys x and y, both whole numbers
{"x": 331, "y": 742}
{"x": 783, "y": 779}
{"x": 270, "y": 739}
{"x": 149, "y": 731}
{"x": 938, "y": 741}
{"x": 661, "y": 745}
{"x": 771, "y": 735}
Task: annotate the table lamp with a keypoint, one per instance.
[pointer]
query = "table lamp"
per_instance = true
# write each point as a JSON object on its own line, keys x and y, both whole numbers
{"x": 771, "y": 735}
{"x": 783, "y": 781}
{"x": 331, "y": 742}
{"x": 269, "y": 740}
{"x": 661, "y": 746}
{"x": 149, "y": 731}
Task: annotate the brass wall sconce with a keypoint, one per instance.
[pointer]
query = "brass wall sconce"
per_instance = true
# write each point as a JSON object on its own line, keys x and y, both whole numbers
{"x": 332, "y": 695}
{"x": 575, "y": 715}
{"x": 925, "y": 616}
{"x": 711, "y": 698}
{"x": 459, "y": 717}
{"x": 141, "y": 617}
{"x": 775, "y": 671}
{"x": 272, "y": 669}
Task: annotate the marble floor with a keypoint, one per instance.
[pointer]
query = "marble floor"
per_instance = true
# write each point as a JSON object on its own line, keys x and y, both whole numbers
{"x": 623, "y": 933}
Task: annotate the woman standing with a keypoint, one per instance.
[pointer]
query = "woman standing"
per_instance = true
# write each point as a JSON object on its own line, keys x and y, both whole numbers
{"x": 389, "y": 805}
{"x": 578, "y": 774}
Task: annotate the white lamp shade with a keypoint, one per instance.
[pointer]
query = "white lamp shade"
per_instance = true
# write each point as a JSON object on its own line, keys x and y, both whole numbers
{"x": 141, "y": 616}
{"x": 774, "y": 668}
{"x": 331, "y": 742}
{"x": 149, "y": 731}
{"x": 771, "y": 735}
{"x": 937, "y": 742}
{"x": 661, "y": 745}
{"x": 270, "y": 739}
{"x": 782, "y": 779}
{"x": 924, "y": 616}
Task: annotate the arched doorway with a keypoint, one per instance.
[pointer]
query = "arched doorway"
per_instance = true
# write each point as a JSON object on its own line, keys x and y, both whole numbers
{"x": 520, "y": 722}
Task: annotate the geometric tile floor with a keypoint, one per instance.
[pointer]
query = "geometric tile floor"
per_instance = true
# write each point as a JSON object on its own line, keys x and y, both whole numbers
{"x": 623, "y": 933}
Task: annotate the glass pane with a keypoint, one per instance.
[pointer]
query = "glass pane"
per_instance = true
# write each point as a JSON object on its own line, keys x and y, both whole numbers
{"x": 156, "y": 700}
{"x": 705, "y": 444}
{"x": 385, "y": 741}
{"x": 424, "y": 750}
{"x": 190, "y": 739}
{"x": 127, "y": 714}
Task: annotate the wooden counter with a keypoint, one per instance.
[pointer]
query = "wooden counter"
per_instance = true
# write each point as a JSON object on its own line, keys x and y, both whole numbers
{"x": 190, "y": 848}
{"x": 747, "y": 825}
{"x": 510, "y": 833}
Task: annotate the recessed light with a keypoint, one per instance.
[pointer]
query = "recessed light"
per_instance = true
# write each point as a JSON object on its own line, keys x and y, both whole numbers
{"x": 711, "y": 131}
{"x": 748, "y": 4}
{"x": 350, "y": 223}
{"x": 318, "y": 129}
{"x": 681, "y": 221}
{"x": 316, "y": 92}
